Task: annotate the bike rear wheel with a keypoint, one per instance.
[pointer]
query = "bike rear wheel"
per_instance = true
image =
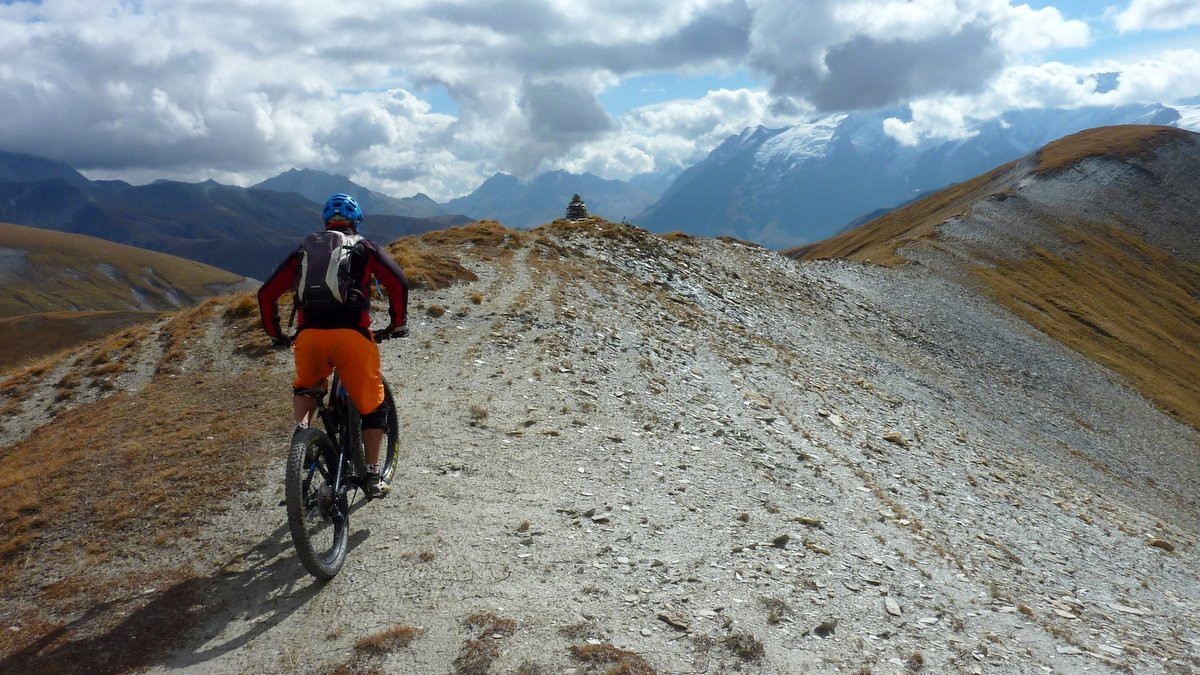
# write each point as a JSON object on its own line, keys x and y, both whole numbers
{"x": 318, "y": 517}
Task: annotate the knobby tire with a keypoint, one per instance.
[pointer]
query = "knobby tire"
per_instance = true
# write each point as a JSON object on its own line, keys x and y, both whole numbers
{"x": 314, "y": 529}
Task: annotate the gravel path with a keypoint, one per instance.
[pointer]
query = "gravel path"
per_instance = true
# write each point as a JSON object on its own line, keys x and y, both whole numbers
{"x": 692, "y": 447}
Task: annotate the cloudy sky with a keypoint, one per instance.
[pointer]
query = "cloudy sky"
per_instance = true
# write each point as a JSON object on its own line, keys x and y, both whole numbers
{"x": 434, "y": 96}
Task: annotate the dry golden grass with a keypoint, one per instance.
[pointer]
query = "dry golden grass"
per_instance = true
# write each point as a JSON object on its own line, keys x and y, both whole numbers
{"x": 479, "y": 652}
{"x": 597, "y": 227}
{"x": 675, "y": 236}
{"x": 31, "y": 337}
{"x": 482, "y": 233}
{"x": 615, "y": 660}
{"x": 386, "y": 641}
{"x": 28, "y": 375}
{"x": 432, "y": 260}
{"x": 68, "y": 273}
{"x": 1128, "y": 140}
{"x": 180, "y": 334}
{"x": 113, "y": 479}
{"x": 1119, "y": 301}
{"x": 63, "y": 478}
{"x": 1116, "y": 299}
{"x": 117, "y": 477}
{"x": 426, "y": 268}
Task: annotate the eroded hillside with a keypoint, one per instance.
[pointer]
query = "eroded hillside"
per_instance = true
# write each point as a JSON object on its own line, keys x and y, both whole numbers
{"x": 1095, "y": 240}
{"x": 64, "y": 289}
{"x": 660, "y": 454}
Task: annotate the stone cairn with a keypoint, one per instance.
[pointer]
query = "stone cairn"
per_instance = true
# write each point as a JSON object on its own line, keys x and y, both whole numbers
{"x": 576, "y": 210}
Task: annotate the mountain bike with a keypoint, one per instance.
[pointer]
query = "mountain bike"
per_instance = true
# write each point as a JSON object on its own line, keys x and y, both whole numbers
{"x": 325, "y": 470}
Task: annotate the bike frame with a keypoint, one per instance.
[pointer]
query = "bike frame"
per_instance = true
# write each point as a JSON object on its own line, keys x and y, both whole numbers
{"x": 338, "y": 397}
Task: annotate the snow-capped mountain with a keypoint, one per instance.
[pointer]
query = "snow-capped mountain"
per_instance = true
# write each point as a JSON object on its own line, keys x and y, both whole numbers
{"x": 782, "y": 187}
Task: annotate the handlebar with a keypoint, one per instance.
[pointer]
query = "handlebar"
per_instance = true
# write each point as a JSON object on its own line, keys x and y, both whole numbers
{"x": 380, "y": 335}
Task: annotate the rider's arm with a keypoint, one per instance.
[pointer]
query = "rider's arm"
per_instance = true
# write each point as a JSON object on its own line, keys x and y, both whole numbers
{"x": 268, "y": 296}
{"x": 392, "y": 277}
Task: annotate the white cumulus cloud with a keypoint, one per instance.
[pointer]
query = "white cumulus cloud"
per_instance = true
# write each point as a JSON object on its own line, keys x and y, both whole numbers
{"x": 870, "y": 53}
{"x": 239, "y": 91}
{"x": 1167, "y": 77}
{"x": 1158, "y": 15}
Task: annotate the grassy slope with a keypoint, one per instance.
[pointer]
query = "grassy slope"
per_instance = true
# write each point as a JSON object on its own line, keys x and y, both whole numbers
{"x": 1116, "y": 299}
{"x": 178, "y": 448}
{"x": 86, "y": 498}
{"x": 45, "y": 285}
{"x": 25, "y": 338}
{"x": 57, "y": 295}
{"x": 878, "y": 240}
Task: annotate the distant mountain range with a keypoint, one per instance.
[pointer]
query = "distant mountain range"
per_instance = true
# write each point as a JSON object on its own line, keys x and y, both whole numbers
{"x": 782, "y": 187}
{"x": 316, "y": 186}
{"x": 521, "y": 203}
{"x": 777, "y": 187}
{"x": 242, "y": 230}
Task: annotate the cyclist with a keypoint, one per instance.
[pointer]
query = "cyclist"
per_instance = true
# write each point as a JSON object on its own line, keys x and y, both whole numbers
{"x": 341, "y": 338}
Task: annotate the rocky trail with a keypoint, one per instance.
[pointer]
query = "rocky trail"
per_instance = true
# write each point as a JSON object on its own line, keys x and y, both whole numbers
{"x": 685, "y": 455}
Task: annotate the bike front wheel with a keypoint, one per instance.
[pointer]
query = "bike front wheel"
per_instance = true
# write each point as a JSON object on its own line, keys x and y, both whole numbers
{"x": 318, "y": 516}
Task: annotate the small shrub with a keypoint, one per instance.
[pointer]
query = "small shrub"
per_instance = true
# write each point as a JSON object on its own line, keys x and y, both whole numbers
{"x": 435, "y": 311}
{"x": 477, "y": 298}
{"x": 744, "y": 646}
{"x": 476, "y": 657}
{"x": 489, "y": 624}
{"x": 622, "y": 661}
{"x": 777, "y": 609}
{"x": 387, "y": 641}
{"x": 480, "y": 652}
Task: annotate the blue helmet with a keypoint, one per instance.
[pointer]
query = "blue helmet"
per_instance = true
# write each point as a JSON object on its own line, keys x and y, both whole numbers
{"x": 345, "y": 206}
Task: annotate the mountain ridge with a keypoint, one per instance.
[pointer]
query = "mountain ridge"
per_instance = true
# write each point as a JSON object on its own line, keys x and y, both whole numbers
{"x": 784, "y": 187}
{"x": 1059, "y": 237}
{"x": 316, "y": 186}
{"x": 243, "y": 230}
{"x": 613, "y": 427}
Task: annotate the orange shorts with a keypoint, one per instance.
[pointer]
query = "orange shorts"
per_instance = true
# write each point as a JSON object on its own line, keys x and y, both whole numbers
{"x": 319, "y": 350}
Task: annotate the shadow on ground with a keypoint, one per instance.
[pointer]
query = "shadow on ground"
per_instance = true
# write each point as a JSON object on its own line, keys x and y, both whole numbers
{"x": 261, "y": 588}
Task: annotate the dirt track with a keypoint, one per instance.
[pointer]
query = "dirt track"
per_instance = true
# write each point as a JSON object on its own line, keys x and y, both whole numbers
{"x": 970, "y": 492}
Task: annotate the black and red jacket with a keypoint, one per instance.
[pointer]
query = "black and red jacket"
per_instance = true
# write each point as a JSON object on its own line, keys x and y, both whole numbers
{"x": 366, "y": 260}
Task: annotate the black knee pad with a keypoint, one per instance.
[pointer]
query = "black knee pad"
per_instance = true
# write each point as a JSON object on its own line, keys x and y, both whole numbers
{"x": 376, "y": 419}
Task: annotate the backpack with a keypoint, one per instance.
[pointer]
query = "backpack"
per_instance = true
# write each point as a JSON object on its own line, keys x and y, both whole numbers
{"x": 323, "y": 283}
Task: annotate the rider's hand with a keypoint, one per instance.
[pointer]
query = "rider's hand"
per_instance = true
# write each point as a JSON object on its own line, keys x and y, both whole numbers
{"x": 282, "y": 342}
